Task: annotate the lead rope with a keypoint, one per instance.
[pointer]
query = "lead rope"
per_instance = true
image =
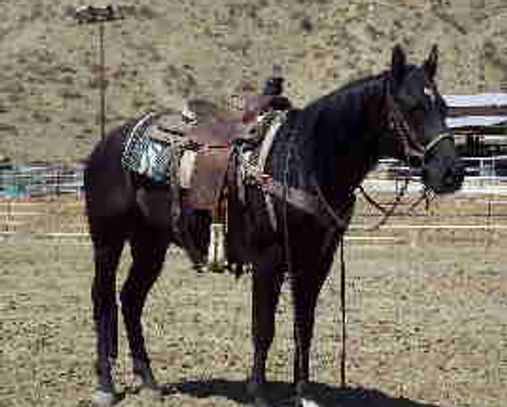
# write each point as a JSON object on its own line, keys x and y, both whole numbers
{"x": 343, "y": 287}
{"x": 343, "y": 297}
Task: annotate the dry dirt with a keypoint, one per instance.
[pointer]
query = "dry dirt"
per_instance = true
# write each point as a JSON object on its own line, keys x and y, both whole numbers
{"x": 427, "y": 321}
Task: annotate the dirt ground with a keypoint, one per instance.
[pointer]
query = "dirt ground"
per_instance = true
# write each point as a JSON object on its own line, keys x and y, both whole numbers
{"x": 427, "y": 323}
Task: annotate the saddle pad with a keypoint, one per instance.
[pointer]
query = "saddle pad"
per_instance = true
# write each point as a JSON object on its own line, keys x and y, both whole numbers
{"x": 148, "y": 156}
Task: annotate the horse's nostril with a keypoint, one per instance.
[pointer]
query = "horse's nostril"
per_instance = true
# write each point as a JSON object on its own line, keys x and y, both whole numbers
{"x": 449, "y": 177}
{"x": 453, "y": 177}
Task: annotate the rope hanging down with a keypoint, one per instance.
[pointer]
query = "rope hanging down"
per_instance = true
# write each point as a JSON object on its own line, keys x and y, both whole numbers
{"x": 340, "y": 223}
{"x": 343, "y": 286}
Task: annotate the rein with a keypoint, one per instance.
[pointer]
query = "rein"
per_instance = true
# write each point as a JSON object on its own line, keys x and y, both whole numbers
{"x": 387, "y": 213}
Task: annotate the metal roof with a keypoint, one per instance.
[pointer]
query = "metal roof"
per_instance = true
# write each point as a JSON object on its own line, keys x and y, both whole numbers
{"x": 479, "y": 99}
{"x": 482, "y": 109}
{"x": 475, "y": 121}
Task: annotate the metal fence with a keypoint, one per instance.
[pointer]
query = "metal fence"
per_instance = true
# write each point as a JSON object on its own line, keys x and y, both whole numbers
{"x": 483, "y": 174}
{"x": 37, "y": 180}
{"x": 46, "y": 199}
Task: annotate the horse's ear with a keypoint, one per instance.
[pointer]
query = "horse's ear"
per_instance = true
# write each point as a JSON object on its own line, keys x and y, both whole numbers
{"x": 398, "y": 63}
{"x": 431, "y": 63}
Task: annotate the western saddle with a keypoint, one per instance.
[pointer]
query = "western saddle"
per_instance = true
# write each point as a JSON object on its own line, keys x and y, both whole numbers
{"x": 212, "y": 132}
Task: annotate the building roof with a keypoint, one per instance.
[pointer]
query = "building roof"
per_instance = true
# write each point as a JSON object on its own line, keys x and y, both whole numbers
{"x": 475, "y": 121}
{"x": 479, "y": 99}
{"x": 483, "y": 109}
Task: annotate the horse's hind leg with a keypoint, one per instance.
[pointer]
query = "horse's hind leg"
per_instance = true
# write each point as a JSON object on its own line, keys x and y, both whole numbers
{"x": 149, "y": 246}
{"x": 107, "y": 246}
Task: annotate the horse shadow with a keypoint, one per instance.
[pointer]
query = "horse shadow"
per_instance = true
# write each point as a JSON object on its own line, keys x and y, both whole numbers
{"x": 281, "y": 394}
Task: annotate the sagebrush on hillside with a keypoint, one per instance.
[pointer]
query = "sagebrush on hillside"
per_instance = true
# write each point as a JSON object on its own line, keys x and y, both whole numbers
{"x": 166, "y": 51}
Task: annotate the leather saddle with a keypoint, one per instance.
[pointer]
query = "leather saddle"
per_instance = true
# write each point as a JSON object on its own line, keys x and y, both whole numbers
{"x": 212, "y": 131}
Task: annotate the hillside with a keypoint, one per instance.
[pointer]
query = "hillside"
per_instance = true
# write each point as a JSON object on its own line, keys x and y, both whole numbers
{"x": 168, "y": 50}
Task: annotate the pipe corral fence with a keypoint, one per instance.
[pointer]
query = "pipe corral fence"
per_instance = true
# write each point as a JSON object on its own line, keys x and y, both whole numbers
{"x": 46, "y": 200}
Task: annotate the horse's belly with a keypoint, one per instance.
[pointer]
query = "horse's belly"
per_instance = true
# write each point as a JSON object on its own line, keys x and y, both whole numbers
{"x": 155, "y": 206}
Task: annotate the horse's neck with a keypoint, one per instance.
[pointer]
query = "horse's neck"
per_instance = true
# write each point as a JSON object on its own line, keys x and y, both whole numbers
{"x": 353, "y": 150}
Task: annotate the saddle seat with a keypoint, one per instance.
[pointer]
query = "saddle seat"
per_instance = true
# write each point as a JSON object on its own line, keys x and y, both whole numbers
{"x": 217, "y": 127}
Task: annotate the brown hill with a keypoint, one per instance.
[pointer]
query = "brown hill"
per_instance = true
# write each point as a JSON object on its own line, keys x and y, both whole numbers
{"x": 167, "y": 50}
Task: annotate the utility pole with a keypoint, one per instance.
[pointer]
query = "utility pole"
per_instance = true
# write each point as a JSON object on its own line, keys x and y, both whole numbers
{"x": 99, "y": 15}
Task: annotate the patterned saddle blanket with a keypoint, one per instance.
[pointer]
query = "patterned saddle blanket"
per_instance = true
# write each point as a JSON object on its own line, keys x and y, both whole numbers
{"x": 156, "y": 151}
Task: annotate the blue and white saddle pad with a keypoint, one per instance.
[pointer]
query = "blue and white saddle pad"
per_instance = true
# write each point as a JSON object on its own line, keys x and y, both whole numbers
{"x": 147, "y": 156}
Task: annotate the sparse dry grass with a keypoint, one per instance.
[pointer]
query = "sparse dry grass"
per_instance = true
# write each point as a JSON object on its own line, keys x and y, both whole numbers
{"x": 167, "y": 51}
{"x": 427, "y": 321}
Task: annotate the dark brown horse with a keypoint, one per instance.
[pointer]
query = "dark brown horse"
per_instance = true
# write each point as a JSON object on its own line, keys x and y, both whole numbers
{"x": 318, "y": 158}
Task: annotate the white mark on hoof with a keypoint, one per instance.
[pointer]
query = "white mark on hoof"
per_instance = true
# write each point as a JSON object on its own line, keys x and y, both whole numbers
{"x": 103, "y": 398}
{"x": 308, "y": 403}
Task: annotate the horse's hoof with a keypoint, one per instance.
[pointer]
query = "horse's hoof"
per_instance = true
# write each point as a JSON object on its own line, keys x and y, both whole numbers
{"x": 215, "y": 267}
{"x": 149, "y": 388}
{"x": 261, "y": 402}
{"x": 104, "y": 398}
{"x": 256, "y": 391}
{"x": 199, "y": 268}
{"x": 307, "y": 403}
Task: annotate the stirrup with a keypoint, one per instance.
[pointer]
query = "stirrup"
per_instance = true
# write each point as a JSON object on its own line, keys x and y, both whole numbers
{"x": 216, "y": 260}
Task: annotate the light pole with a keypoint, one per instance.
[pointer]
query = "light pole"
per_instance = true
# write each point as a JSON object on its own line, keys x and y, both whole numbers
{"x": 99, "y": 15}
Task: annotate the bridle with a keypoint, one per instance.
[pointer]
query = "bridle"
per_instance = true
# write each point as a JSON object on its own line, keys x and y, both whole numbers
{"x": 399, "y": 126}
{"x": 403, "y": 132}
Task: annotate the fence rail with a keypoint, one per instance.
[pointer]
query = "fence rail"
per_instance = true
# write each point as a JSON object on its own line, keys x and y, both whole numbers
{"x": 41, "y": 180}
{"x": 483, "y": 173}
{"x": 62, "y": 216}
{"x": 47, "y": 200}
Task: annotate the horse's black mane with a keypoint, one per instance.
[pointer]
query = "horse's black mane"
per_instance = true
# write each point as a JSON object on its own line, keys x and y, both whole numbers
{"x": 348, "y": 100}
{"x": 326, "y": 128}
{"x": 353, "y": 84}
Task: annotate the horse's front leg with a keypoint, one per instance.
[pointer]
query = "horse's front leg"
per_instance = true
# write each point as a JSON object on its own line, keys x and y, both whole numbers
{"x": 267, "y": 281}
{"x": 307, "y": 281}
{"x": 305, "y": 299}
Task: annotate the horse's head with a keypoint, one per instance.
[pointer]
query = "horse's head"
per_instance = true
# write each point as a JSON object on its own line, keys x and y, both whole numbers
{"x": 416, "y": 120}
